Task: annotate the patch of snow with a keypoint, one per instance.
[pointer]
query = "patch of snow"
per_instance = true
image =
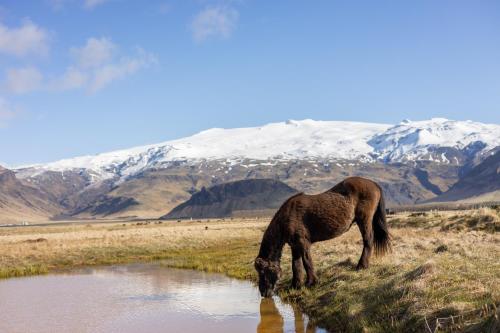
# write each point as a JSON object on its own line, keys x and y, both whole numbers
{"x": 290, "y": 140}
{"x": 416, "y": 139}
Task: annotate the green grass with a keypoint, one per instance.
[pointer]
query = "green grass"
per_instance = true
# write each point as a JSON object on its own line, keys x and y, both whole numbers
{"x": 384, "y": 298}
{"x": 234, "y": 259}
{"x": 436, "y": 275}
{"x": 25, "y": 270}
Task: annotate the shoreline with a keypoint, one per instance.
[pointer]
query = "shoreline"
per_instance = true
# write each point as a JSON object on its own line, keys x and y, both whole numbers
{"x": 436, "y": 270}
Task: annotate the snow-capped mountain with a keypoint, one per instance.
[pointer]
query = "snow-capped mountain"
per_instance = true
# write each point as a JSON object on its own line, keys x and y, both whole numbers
{"x": 437, "y": 140}
{"x": 416, "y": 140}
{"x": 412, "y": 161}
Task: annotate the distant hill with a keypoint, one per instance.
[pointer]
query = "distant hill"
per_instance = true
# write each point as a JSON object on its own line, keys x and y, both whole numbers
{"x": 225, "y": 199}
{"x": 105, "y": 206}
{"x": 481, "y": 183}
{"x": 21, "y": 202}
{"x": 413, "y": 161}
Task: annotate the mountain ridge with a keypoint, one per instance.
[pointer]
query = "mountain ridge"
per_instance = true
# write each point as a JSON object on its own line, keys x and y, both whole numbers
{"x": 412, "y": 161}
{"x": 305, "y": 139}
{"x": 480, "y": 181}
{"x": 21, "y": 201}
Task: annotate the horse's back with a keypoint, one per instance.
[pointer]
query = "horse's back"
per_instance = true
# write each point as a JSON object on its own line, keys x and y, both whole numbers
{"x": 316, "y": 217}
{"x": 358, "y": 188}
{"x": 343, "y": 196}
{"x": 328, "y": 214}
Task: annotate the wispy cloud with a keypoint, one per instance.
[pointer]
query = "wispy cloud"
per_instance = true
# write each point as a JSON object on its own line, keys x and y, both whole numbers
{"x": 72, "y": 78}
{"x": 94, "y": 53}
{"x": 7, "y": 112}
{"x": 110, "y": 72}
{"x": 218, "y": 21}
{"x": 164, "y": 8}
{"x": 56, "y": 4}
{"x": 96, "y": 65}
{"x": 89, "y": 4}
{"x": 25, "y": 39}
{"x": 23, "y": 80}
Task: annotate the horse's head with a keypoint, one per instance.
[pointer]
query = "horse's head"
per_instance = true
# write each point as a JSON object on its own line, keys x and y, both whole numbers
{"x": 269, "y": 273}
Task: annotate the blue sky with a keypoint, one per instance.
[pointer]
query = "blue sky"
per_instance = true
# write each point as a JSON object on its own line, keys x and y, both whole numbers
{"x": 88, "y": 76}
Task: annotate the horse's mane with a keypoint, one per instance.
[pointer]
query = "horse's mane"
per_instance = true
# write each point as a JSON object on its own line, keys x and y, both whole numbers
{"x": 295, "y": 195}
{"x": 271, "y": 242}
{"x": 284, "y": 207}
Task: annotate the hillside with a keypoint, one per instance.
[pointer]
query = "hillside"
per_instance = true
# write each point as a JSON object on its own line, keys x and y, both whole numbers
{"x": 226, "y": 199}
{"x": 483, "y": 181}
{"x": 21, "y": 202}
{"x": 414, "y": 161}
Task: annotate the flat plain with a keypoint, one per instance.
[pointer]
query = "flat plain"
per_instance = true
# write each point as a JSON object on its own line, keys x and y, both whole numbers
{"x": 443, "y": 273}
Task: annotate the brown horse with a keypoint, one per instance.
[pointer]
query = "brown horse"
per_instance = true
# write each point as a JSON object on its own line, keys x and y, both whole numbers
{"x": 306, "y": 219}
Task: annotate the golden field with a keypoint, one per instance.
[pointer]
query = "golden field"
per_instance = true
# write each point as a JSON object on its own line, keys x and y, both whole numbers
{"x": 442, "y": 275}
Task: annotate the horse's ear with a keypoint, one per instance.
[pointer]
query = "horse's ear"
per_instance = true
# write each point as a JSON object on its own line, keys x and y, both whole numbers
{"x": 260, "y": 264}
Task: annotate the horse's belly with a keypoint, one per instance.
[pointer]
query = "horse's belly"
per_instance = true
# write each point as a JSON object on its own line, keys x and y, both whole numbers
{"x": 324, "y": 230}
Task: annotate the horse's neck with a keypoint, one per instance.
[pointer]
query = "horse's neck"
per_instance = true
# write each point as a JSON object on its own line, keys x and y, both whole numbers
{"x": 272, "y": 243}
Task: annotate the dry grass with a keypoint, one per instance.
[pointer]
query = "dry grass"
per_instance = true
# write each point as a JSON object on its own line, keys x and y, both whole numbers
{"x": 482, "y": 219}
{"x": 443, "y": 272}
{"x": 403, "y": 289}
{"x": 69, "y": 246}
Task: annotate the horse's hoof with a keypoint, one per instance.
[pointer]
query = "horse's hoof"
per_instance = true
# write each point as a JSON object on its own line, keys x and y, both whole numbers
{"x": 361, "y": 266}
{"x": 311, "y": 283}
{"x": 297, "y": 285}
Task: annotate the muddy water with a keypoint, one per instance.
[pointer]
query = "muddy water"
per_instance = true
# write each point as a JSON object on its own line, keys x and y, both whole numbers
{"x": 142, "y": 298}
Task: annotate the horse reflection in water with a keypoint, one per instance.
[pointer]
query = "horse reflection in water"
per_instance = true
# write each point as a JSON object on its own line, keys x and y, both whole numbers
{"x": 271, "y": 320}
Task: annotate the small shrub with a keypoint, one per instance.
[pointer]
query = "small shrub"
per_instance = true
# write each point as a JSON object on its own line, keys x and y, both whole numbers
{"x": 441, "y": 248}
{"x": 417, "y": 214}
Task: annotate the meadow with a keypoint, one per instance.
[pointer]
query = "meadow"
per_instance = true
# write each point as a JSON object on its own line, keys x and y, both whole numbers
{"x": 443, "y": 273}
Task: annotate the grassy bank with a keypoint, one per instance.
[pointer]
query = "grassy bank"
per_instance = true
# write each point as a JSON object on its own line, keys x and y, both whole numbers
{"x": 37, "y": 250}
{"x": 443, "y": 272}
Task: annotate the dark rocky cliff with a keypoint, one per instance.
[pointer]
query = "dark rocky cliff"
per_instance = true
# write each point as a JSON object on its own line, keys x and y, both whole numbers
{"x": 224, "y": 199}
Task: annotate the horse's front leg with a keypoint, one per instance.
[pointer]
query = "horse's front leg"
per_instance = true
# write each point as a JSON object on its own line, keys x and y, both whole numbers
{"x": 296, "y": 267}
{"x": 308, "y": 265}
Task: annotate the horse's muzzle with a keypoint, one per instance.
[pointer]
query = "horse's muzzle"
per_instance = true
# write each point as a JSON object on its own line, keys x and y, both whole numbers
{"x": 267, "y": 293}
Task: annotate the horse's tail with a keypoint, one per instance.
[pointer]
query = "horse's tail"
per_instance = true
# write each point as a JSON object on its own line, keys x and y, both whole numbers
{"x": 382, "y": 237}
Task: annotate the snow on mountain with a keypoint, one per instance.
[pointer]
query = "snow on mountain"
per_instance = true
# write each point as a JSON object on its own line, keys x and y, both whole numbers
{"x": 286, "y": 140}
{"x": 414, "y": 140}
{"x": 305, "y": 139}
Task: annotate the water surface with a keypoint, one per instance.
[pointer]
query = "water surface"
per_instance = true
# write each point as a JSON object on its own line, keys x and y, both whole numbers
{"x": 142, "y": 298}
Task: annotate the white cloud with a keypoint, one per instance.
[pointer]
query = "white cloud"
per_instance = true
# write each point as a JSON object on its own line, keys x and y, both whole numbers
{"x": 23, "y": 80}
{"x": 26, "y": 39}
{"x": 56, "y": 4}
{"x": 73, "y": 78}
{"x": 95, "y": 67}
{"x": 7, "y": 112}
{"x": 164, "y": 8}
{"x": 89, "y": 4}
{"x": 214, "y": 22}
{"x": 114, "y": 71}
{"x": 94, "y": 53}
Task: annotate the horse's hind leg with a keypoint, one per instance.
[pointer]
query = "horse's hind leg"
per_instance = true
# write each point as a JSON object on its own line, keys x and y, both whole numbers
{"x": 308, "y": 264}
{"x": 365, "y": 227}
{"x": 296, "y": 267}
